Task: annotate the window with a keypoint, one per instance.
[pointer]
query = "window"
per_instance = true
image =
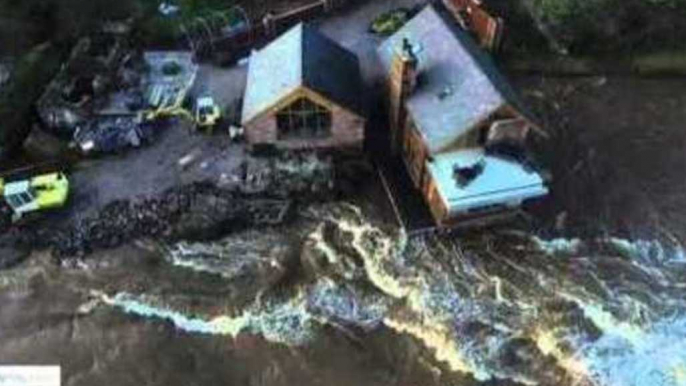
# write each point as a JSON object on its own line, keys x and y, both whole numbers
{"x": 303, "y": 119}
{"x": 14, "y": 202}
{"x": 20, "y": 199}
{"x": 26, "y": 197}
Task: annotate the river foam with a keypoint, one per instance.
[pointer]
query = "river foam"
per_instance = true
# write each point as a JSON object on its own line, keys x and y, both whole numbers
{"x": 470, "y": 310}
{"x": 287, "y": 323}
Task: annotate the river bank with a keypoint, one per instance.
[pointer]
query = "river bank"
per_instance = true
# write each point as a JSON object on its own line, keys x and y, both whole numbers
{"x": 660, "y": 64}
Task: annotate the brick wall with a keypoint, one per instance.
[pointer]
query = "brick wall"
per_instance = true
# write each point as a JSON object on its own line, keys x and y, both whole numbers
{"x": 434, "y": 200}
{"x": 487, "y": 28}
{"x": 261, "y": 130}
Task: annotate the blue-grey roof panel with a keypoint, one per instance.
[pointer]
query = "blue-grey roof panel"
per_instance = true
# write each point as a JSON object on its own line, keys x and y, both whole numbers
{"x": 302, "y": 57}
{"x": 458, "y": 85}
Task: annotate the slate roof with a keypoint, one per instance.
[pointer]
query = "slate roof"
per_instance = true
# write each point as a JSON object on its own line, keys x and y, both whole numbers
{"x": 458, "y": 84}
{"x": 302, "y": 57}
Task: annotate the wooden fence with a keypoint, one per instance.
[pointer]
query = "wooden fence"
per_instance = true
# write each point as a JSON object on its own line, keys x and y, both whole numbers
{"x": 262, "y": 29}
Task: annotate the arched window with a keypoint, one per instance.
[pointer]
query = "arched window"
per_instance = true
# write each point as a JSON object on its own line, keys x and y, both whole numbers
{"x": 303, "y": 119}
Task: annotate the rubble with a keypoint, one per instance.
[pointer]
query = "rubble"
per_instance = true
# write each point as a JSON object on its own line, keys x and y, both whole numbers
{"x": 109, "y": 134}
{"x": 99, "y": 98}
{"x": 309, "y": 174}
{"x": 83, "y": 84}
{"x": 199, "y": 211}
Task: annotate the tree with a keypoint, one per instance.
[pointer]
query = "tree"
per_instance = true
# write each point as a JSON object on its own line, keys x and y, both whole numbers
{"x": 17, "y": 99}
{"x": 26, "y": 23}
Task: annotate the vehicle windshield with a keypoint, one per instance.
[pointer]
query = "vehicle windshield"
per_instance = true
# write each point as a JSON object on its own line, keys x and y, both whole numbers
{"x": 20, "y": 199}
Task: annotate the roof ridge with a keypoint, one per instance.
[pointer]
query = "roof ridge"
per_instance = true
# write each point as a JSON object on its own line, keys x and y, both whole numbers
{"x": 474, "y": 53}
{"x": 324, "y": 63}
{"x": 300, "y": 28}
{"x": 481, "y": 58}
{"x": 449, "y": 59}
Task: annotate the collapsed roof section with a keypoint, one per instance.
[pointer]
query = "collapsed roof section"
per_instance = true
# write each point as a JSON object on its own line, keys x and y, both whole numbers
{"x": 496, "y": 182}
{"x": 302, "y": 57}
{"x": 459, "y": 85}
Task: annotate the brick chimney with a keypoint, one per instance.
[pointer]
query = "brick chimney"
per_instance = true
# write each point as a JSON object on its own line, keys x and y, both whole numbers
{"x": 402, "y": 82}
{"x": 472, "y": 17}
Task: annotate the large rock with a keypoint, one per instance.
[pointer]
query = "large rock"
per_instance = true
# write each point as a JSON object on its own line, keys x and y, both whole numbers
{"x": 210, "y": 216}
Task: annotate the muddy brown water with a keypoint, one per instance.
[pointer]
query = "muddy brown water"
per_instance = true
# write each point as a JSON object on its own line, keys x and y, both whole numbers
{"x": 352, "y": 302}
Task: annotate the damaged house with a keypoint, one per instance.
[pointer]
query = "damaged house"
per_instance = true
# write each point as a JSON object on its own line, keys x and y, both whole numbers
{"x": 455, "y": 120}
{"x": 304, "y": 92}
{"x": 98, "y": 99}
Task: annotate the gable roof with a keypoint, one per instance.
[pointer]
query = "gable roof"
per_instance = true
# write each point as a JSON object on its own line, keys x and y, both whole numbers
{"x": 302, "y": 57}
{"x": 458, "y": 85}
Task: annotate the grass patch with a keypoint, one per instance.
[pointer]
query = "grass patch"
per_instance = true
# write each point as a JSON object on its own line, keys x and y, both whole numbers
{"x": 597, "y": 26}
{"x": 661, "y": 63}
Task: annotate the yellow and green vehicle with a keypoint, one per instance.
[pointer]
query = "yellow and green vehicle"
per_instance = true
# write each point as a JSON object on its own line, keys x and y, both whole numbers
{"x": 207, "y": 113}
{"x": 36, "y": 194}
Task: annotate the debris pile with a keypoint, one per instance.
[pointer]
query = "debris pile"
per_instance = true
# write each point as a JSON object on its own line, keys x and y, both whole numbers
{"x": 308, "y": 174}
{"x": 111, "y": 134}
{"x": 105, "y": 89}
{"x": 84, "y": 83}
{"x": 199, "y": 211}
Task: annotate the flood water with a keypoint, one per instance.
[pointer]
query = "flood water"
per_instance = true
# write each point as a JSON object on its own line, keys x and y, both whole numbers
{"x": 339, "y": 297}
{"x": 341, "y": 301}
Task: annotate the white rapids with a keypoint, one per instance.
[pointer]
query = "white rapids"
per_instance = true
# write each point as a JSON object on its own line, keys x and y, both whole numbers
{"x": 286, "y": 323}
{"x": 474, "y": 303}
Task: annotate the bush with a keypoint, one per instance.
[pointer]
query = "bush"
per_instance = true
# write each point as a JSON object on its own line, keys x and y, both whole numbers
{"x": 27, "y": 23}
{"x": 155, "y": 31}
{"x": 612, "y": 25}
